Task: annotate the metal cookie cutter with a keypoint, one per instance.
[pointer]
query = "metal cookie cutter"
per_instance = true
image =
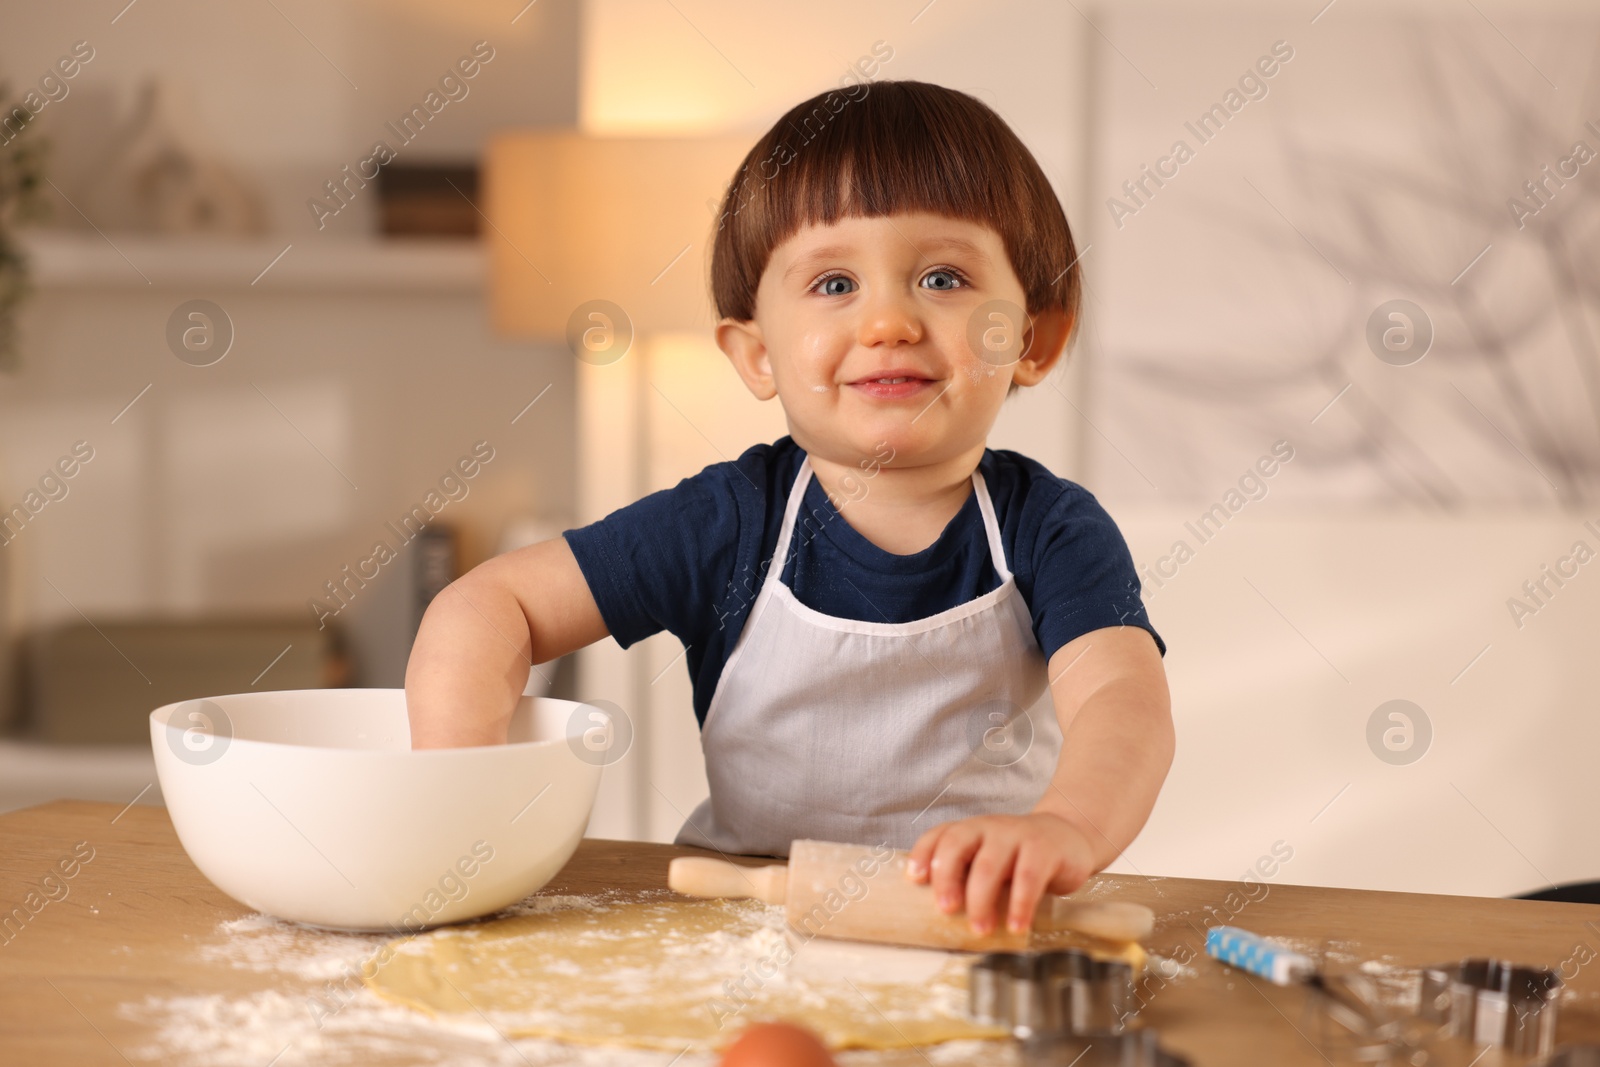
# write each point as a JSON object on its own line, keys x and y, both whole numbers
{"x": 1133, "y": 1048}
{"x": 1063, "y": 991}
{"x": 1493, "y": 1002}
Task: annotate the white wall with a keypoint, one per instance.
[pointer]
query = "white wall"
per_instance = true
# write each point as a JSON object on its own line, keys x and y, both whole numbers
{"x": 1288, "y": 629}
{"x": 1232, "y": 311}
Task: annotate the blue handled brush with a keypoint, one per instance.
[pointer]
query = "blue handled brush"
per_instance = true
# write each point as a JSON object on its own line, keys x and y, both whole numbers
{"x": 1268, "y": 959}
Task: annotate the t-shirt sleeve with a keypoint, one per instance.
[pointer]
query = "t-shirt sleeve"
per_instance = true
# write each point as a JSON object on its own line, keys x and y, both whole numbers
{"x": 659, "y": 563}
{"x": 1084, "y": 578}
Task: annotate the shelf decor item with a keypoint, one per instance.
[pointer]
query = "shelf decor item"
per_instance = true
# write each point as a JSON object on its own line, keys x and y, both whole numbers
{"x": 428, "y": 200}
{"x": 163, "y": 175}
{"x": 22, "y": 157}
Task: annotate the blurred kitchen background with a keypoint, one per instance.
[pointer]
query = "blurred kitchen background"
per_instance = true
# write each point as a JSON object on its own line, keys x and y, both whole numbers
{"x": 238, "y": 355}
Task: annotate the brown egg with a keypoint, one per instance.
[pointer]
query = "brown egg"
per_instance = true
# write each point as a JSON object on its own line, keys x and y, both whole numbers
{"x": 777, "y": 1045}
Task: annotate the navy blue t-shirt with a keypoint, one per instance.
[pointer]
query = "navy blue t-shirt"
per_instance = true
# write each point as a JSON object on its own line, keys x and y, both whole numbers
{"x": 690, "y": 559}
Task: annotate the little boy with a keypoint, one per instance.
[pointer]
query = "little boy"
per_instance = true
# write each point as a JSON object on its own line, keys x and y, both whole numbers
{"x": 947, "y": 650}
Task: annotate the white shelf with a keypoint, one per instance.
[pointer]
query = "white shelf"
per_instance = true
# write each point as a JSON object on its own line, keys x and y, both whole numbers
{"x": 135, "y": 261}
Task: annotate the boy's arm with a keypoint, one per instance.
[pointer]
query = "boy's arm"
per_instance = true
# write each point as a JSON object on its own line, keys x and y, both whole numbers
{"x": 469, "y": 664}
{"x": 1110, "y": 695}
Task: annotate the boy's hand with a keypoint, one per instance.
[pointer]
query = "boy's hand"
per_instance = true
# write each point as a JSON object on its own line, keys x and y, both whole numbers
{"x": 969, "y": 863}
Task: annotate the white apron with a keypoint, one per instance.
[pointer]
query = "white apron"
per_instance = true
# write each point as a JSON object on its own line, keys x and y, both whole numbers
{"x": 872, "y": 732}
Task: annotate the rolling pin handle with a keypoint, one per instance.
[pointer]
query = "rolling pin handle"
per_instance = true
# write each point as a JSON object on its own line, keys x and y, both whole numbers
{"x": 701, "y": 876}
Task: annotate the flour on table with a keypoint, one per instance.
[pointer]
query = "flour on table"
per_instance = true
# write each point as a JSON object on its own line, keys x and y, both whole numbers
{"x": 1169, "y": 969}
{"x": 273, "y": 1027}
{"x": 318, "y": 1010}
{"x": 267, "y": 945}
{"x": 330, "y": 1017}
{"x": 543, "y": 905}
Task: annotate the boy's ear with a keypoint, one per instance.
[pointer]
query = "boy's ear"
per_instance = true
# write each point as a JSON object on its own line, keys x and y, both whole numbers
{"x": 1048, "y": 343}
{"x": 741, "y": 342}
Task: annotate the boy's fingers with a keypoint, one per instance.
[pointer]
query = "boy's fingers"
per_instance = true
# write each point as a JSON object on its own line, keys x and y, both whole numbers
{"x": 921, "y": 852}
{"x": 991, "y": 868}
{"x": 1032, "y": 873}
{"x": 948, "y": 865}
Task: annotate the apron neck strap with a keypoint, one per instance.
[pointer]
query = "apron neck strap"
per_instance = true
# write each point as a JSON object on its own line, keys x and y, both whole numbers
{"x": 791, "y": 510}
{"x": 991, "y": 527}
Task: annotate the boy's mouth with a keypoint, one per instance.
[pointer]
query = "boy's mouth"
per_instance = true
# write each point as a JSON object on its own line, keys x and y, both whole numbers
{"x": 893, "y": 385}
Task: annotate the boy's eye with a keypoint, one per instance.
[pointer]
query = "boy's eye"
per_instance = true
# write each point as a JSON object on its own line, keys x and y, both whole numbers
{"x": 942, "y": 279}
{"x": 835, "y": 285}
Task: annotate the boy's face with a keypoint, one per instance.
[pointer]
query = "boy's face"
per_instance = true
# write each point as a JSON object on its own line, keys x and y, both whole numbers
{"x": 841, "y": 307}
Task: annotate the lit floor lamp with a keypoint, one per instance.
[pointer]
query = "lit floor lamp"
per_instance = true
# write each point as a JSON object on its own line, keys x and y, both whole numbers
{"x": 599, "y": 244}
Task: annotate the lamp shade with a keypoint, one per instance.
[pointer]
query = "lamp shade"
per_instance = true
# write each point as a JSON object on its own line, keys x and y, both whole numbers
{"x": 575, "y": 219}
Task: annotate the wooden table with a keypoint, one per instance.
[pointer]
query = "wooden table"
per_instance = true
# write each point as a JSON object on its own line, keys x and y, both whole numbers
{"x": 138, "y": 919}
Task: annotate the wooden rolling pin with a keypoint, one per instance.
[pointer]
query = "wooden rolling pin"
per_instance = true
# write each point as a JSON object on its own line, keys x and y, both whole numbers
{"x": 861, "y": 893}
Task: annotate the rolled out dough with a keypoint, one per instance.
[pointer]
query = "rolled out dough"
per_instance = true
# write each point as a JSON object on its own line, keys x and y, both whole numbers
{"x": 662, "y": 971}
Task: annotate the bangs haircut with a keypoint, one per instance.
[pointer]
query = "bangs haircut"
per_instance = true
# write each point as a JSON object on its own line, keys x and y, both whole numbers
{"x": 898, "y": 147}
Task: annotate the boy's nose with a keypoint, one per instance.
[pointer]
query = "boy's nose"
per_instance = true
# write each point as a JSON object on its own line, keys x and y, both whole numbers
{"x": 889, "y": 320}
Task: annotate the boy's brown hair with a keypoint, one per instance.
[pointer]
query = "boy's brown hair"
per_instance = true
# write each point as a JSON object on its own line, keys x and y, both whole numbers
{"x": 882, "y": 148}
